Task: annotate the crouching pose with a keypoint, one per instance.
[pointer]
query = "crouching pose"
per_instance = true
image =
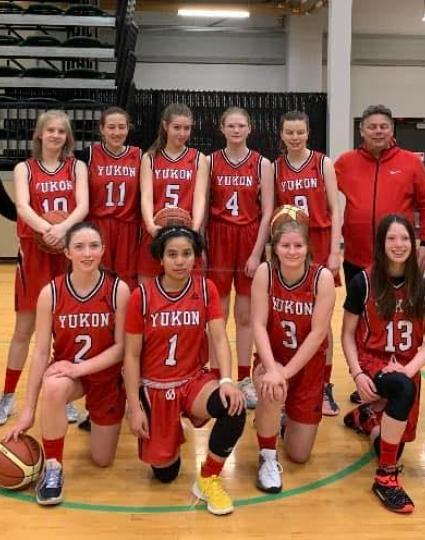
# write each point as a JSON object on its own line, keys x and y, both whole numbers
{"x": 292, "y": 303}
{"x": 382, "y": 332}
{"x": 166, "y": 349}
{"x": 83, "y": 313}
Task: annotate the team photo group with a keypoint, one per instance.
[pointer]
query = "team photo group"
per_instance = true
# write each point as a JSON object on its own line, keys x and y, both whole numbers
{"x": 131, "y": 262}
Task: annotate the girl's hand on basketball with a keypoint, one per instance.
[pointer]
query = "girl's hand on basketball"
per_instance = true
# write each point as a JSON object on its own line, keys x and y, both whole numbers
{"x": 366, "y": 388}
{"x": 232, "y": 398}
{"x": 62, "y": 368}
{"x": 24, "y": 423}
{"x": 153, "y": 229}
{"x": 395, "y": 366}
{"x": 138, "y": 423}
{"x": 251, "y": 265}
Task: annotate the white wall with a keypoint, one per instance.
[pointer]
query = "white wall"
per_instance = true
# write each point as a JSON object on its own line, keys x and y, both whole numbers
{"x": 223, "y": 77}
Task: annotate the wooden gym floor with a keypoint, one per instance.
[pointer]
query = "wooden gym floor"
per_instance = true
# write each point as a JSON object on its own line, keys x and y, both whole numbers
{"x": 329, "y": 497}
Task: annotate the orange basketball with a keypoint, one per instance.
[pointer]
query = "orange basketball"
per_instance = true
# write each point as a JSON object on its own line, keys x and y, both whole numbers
{"x": 21, "y": 462}
{"x": 288, "y": 212}
{"x": 53, "y": 217}
{"x": 173, "y": 216}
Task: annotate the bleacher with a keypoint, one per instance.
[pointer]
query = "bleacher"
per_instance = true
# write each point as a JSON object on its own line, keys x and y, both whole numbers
{"x": 55, "y": 55}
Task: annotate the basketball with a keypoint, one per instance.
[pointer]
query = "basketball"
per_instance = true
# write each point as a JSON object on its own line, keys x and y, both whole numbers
{"x": 21, "y": 462}
{"x": 286, "y": 213}
{"x": 53, "y": 217}
{"x": 173, "y": 216}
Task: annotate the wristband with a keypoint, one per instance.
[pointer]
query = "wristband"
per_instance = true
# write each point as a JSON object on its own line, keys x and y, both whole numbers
{"x": 357, "y": 374}
{"x": 225, "y": 380}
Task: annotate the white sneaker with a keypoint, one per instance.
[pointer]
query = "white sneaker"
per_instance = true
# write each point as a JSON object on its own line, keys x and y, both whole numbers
{"x": 248, "y": 390}
{"x": 270, "y": 471}
{"x": 7, "y": 407}
{"x": 72, "y": 413}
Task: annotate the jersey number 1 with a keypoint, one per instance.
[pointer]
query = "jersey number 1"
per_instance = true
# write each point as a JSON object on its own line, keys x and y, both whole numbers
{"x": 110, "y": 200}
{"x": 172, "y": 346}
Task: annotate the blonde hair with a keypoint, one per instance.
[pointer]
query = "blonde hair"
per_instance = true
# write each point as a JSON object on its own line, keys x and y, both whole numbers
{"x": 286, "y": 227}
{"x": 42, "y": 120}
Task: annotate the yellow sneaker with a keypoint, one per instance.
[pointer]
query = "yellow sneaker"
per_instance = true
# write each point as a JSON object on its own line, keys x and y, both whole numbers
{"x": 213, "y": 493}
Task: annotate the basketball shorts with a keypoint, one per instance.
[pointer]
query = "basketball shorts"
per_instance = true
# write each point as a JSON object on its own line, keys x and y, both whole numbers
{"x": 34, "y": 270}
{"x": 121, "y": 240}
{"x": 372, "y": 365}
{"x": 105, "y": 399}
{"x": 305, "y": 390}
{"x": 229, "y": 248}
{"x": 164, "y": 407}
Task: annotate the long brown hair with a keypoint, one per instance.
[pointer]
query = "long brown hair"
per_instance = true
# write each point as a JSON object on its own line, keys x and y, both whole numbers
{"x": 381, "y": 282}
{"x": 172, "y": 110}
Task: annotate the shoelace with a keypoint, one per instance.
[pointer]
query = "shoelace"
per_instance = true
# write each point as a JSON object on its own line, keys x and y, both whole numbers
{"x": 271, "y": 467}
{"x": 52, "y": 478}
{"x": 214, "y": 487}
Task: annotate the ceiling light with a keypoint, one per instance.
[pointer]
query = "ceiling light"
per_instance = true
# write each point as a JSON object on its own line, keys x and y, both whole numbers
{"x": 221, "y": 13}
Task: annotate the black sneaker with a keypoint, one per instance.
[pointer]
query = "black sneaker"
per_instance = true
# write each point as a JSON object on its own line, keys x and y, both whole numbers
{"x": 85, "y": 424}
{"x": 386, "y": 486}
{"x": 362, "y": 419}
{"x": 355, "y": 398}
{"x": 329, "y": 406}
{"x": 49, "y": 488}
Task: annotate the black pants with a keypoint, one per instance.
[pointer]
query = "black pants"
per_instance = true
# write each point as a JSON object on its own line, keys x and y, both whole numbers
{"x": 350, "y": 270}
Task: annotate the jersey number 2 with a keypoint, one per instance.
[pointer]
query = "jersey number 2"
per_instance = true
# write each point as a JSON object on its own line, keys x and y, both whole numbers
{"x": 86, "y": 346}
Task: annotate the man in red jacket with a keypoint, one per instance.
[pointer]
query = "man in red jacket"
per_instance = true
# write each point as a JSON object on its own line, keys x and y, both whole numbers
{"x": 378, "y": 178}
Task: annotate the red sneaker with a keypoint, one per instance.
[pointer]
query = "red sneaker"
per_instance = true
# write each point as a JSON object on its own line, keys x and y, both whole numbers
{"x": 388, "y": 489}
{"x": 362, "y": 419}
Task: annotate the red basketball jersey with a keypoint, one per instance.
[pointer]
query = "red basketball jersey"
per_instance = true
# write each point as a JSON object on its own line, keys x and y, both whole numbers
{"x": 400, "y": 336}
{"x": 175, "y": 343}
{"x": 235, "y": 188}
{"x": 290, "y": 311}
{"x": 114, "y": 183}
{"x": 83, "y": 327}
{"x": 49, "y": 190}
{"x": 174, "y": 179}
{"x": 304, "y": 187}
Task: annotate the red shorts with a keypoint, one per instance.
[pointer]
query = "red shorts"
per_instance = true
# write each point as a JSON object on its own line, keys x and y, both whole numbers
{"x": 320, "y": 242}
{"x": 229, "y": 247}
{"x": 105, "y": 400}
{"x": 164, "y": 408}
{"x": 305, "y": 390}
{"x": 34, "y": 270}
{"x": 373, "y": 364}
{"x": 121, "y": 240}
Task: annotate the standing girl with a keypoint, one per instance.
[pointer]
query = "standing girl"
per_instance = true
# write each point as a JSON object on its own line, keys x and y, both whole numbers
{"x": 114, "y": 185}
{"x": 51, "y": 180}
{"x": 165, "y": 354}
{"x": 241, "y": 204}
{"x": 382, "y": 338}
{"x": 83, "y": 313}
{"x": 173, "y": 175}
{"x": 306, "y": 178}
{"x": 292, "y": 304}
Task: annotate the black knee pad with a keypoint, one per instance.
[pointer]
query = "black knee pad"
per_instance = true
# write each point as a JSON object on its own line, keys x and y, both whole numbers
{"x": 399, "y": 390}
{"x": 227, "y": 429}
{"x": 377, "y": 447}
{"x": 167, "y": 474}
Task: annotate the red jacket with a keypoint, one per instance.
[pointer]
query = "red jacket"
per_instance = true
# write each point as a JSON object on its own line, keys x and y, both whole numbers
{"x": 374, "y": 188}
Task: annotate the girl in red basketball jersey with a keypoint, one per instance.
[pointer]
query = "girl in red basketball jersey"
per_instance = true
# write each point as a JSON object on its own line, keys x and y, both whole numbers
{"x": 173, "y": 174}
{"x": 382, "y": 338}
{"x": 165, "y": 353}
{"x": 241, "y": 204}
{"x": 82, "y": 313}
{"x": 292, "y": 304}
{"x": 306, "y": 178}
{"x": 51, "y": 180}
{"x": 114, "y": 185}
